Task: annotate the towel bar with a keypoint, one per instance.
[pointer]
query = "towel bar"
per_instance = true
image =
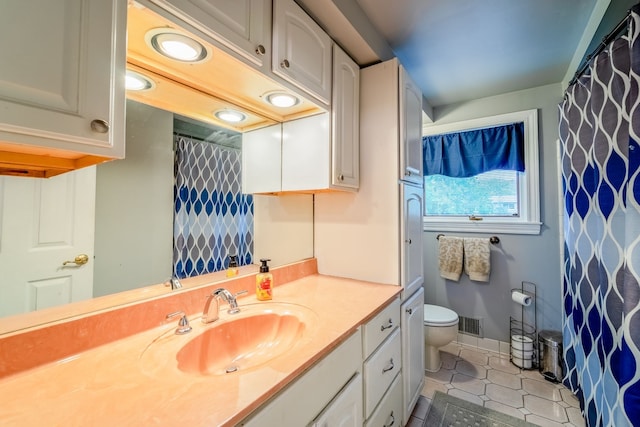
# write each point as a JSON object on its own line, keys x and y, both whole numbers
{"x": 493, "y": 239}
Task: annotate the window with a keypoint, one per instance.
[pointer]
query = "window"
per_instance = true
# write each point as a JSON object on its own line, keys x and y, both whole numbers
{"x": 504, "y": 201}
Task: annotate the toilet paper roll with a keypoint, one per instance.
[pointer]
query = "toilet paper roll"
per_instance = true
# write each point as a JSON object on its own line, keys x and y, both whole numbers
{"x": 520, "y": 342}
{"x": 520, "y": 298}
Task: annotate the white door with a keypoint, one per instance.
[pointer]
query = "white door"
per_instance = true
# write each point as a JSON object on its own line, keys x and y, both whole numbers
{"x": 412, "y": 324}
{"x": 43, "y": 223}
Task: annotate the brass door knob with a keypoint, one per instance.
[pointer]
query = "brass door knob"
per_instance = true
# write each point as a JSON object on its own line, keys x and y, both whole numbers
{"x": 79, "y": 260}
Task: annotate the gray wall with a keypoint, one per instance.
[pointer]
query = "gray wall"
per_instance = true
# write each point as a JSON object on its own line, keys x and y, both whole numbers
{"x": 134, "y": 206}
{"x": 534, "y": 258}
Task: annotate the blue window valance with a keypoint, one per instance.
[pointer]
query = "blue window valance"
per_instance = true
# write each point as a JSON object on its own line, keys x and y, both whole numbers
{"x": 469, "y": 153}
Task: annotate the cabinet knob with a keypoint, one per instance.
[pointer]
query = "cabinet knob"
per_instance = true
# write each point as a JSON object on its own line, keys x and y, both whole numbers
{"x": 260, "y": 50}
{"x": 407, "y": 173}
{"x": 100, "y": 126}
{"x": 407, "y": 241}
{"x": 285, "y": 63}
{"x": 340, "y": 177}
{"x": 410, "y": 310}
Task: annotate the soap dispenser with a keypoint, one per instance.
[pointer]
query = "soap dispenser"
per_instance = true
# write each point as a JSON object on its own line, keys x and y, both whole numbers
{"x": 264, "y": 282}
{"x": 232, "y": 269}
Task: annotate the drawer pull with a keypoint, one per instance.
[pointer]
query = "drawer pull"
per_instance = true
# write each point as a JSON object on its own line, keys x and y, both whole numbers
{"x": 389, "y": 325}
{"x": 392, "y": 418}
{"x": 389, "y": 367}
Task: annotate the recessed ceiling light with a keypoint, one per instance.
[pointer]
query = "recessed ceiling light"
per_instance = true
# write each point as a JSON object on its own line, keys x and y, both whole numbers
{"x": 281, "y": 99}
{"x": 230, "y": 116}
{"x": 175, "y": 45}
{"x": 136, "y": 81}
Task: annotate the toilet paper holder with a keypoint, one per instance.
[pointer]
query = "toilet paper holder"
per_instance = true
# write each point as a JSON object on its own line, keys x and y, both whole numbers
{"x": 523, "y": 331}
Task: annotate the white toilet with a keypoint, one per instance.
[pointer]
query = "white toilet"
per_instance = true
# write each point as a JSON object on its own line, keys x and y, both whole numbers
{"x": 440, "y": 328}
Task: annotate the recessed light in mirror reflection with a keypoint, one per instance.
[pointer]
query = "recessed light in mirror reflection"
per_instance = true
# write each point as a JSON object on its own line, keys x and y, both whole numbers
{"x": 230, "y": 116}
{"x": 136, "y": 81}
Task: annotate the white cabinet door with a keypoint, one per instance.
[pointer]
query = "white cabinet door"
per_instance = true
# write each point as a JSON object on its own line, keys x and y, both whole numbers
{"x": 261, "y": 160}
{"x": 412, "y": 325}
{"x": 410, "y": 129}
{"x": 243, "y": 25}
{"x": 411, "y": 254}
{"x": 62, "y": 75}
{"x": 301, "y": 402}
{"x": 345, "y": 126}
{"x": 306, "y": 153}
{"x": 346, "y": 408}
{"x": 301, "y": 50}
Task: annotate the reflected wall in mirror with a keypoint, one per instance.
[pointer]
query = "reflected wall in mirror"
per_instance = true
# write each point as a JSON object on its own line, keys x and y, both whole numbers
{"x": 48, "y": 215}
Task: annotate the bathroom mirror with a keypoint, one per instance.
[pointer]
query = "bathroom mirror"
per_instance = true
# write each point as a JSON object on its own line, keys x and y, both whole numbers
{"x": 196, "y": 94}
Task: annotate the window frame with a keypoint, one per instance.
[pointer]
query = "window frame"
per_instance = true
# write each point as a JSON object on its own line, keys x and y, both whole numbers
{"x": 529, "y": 186}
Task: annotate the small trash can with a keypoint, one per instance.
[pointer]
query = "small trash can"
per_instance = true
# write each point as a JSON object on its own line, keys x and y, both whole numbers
{"x": 550, "y": 355}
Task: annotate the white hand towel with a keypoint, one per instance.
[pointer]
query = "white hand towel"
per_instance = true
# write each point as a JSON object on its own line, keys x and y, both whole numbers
{"x": 450, "y": 257}
{"x": 477, "y": 258}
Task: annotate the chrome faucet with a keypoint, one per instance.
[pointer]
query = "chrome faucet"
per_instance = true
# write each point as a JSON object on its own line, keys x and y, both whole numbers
{"x": 174, "y": 282}
{"x": 211, "y": 311}
{"x": 183, "y": 324}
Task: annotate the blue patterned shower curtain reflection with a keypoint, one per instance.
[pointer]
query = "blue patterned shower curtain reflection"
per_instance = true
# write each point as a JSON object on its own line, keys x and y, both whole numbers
{"x": 213, "y": 219}
{"x": 599, "y": 132}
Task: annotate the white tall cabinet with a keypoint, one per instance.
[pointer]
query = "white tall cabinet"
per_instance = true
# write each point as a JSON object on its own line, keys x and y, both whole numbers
{"x": 376, "y": 233}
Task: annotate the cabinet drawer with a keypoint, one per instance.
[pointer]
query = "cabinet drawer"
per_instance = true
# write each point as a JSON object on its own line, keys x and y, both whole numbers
{"x": 389, "y": 411}
{"x": 380, "y": 327}
{"x": 302, "y": 401}
{"x": 380, "y": 370}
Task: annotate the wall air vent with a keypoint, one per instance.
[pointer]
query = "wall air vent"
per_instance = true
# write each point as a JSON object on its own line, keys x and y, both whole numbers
{"x": 470, "y": 326}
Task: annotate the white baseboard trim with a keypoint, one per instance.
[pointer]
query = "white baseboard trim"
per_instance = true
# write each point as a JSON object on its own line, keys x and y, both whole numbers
{"x": 489, "y": 344}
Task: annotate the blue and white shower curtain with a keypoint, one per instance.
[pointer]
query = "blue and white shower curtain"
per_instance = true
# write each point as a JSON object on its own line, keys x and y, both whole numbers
{"x": 599, "y": 132}
{"x": 213, "y": 219}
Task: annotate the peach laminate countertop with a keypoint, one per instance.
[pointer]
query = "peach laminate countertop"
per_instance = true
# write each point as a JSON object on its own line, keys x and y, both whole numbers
{"x": 110, "y": 385}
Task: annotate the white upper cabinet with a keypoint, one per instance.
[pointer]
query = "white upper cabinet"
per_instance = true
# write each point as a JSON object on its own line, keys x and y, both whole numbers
{"x": 62, "y": 83}
{"x": 345, "y": 116}
{"x": 306, "y": 153}
{"x": 410, "y": 129}
{"x": 301, "y": 50}
{"x": 242, "y": 25}
{"x": 262, "y": 160}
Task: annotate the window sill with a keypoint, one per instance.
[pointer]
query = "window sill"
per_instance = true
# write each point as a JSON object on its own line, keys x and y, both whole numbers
{"x": 484, "y": 226}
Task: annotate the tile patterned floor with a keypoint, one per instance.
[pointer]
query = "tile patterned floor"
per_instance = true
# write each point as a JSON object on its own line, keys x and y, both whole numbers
{"x": 491, "y": 380}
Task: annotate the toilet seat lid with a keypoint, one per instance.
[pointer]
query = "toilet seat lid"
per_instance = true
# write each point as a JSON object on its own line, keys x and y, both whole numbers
{"x": 440, "y": 316}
